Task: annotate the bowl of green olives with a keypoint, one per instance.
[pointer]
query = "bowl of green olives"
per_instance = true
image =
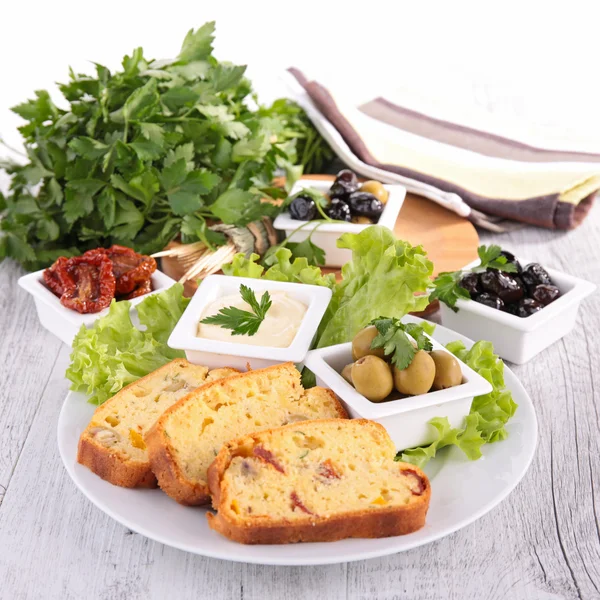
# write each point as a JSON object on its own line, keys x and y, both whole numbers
{"x": 349, "y": 204}
{"x": 521, "y": 313}
{"x": 434, "y": 384}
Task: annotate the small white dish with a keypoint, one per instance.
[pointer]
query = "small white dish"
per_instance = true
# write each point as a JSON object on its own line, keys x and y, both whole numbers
{"x": 214, "y": 353}
{"x": 406, "y": 419}
{"x": 63, "y": 322}
{"x": 520, "y": 339}
{"x": 462, "y": 492}
{"x": 327, "y": 234}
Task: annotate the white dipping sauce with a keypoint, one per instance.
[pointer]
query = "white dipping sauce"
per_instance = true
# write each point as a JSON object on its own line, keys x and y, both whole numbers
{"x": 277, "y": 330}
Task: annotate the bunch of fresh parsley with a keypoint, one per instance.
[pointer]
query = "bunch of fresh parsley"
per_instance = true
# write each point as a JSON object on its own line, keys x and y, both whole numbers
{"x": 149, "y": 153}
{"x": 394, "y": 339}
{"x": 239, "y": 321}
{"x": 447, "y": 288}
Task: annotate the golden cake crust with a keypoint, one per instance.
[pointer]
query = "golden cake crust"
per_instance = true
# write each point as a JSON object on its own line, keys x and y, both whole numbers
{"x": 112, "y": 467}
{"x": 166, "y": 469}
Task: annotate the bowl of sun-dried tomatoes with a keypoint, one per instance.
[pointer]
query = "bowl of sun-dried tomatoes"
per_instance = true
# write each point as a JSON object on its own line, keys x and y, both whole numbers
{"x": 78, "y": 290}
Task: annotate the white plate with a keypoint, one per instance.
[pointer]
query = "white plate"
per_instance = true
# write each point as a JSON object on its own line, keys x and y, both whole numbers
{"x": 462, "y": 492}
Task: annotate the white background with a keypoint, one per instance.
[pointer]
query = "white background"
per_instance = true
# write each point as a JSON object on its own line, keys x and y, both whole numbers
{"x": 535, "y": 60}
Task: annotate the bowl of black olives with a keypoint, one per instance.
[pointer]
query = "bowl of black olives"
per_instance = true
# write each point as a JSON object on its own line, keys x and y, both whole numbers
{"x": 324, "y": 211}
{"x": 521, "y": 311}
{"x": 435, "y": 383}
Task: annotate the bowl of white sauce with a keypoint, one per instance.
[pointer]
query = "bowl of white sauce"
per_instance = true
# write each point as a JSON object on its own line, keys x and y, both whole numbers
{"x": 285, "y": 331}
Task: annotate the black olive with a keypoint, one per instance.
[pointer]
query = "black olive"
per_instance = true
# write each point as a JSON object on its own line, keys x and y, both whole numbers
{"x": 528, "y": 306}
{"x": 364, "y": 204}
{"x": 511, "y": 308}
{"x": 490, "y": 300}
{"x": 533, "y": 275}
{"x": 345, "y": 183}
{"x": 471, "y": 283}
{"x": 510, "y": 258}
{"x": 338, "y": 210}
{"x": 503, "y": 285}
{"x": 545, "y": 293}
{"x": 518, "y": 279}
{"x": 303, "y": 208}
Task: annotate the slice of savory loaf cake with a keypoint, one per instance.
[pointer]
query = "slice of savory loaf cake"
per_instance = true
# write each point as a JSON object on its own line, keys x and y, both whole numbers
{"x": 316, "y": 481}
{"x": 188, "y": 436}
{"x": 113, "y": 446}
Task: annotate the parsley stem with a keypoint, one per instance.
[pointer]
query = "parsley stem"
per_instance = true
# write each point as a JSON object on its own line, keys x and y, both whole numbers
{"x": 322, "y": 213}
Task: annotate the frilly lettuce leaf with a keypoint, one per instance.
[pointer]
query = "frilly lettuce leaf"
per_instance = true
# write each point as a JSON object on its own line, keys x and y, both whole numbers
{"x": 284, "y": 269}
{"x": 114, "y": 353}
{"x": 487, "y": 418}
{"x": 241, "y": 266}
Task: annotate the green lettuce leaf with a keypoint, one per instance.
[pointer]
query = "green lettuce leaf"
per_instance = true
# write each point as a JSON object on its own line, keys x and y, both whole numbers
{"x": 383, "y": 278}
{"x": 114, "y": 353}
{"x": 284, "y": 269}
{"x": 160, "y": 313}
{"x": 487, "y": 418}
{"x": 241, "y": 266}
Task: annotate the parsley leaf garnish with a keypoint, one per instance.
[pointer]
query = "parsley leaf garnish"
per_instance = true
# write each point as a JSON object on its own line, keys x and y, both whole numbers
{"x": 491, "y": 258}
{"x": 242, "y": 322}
{"x": 394, "y": 339}
{"x": 447, "y": 288}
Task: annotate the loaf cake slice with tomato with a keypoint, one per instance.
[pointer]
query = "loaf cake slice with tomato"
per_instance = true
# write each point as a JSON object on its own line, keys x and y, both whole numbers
{"x": 317, "y": 481}
{"x": 188, "y": 436}
{"x": 113, "y": 446}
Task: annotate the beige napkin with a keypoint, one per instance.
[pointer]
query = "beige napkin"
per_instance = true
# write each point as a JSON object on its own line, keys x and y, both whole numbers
{"x": 494, "y": 175}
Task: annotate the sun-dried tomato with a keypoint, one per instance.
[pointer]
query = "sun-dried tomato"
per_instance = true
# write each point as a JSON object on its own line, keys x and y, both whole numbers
{"x": 140, "y": 290}
{"x": 297, "y": 503}
{"x": 130, "y": 268}
{"x": 57, "y": 277}
{"x": 327, "y": 470}
{"x": 268, "y": 457}
{"x": 94, "y": 283}
{"x": 420, "y": 484}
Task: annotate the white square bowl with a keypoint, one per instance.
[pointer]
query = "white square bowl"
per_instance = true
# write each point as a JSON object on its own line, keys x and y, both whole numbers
{"x": 327, "y": 234}
{"x": 63, "y": 322}
{"x": 405, "y": 419}
{"x": 519, "y": 339}
{"x": 213, "y": 353}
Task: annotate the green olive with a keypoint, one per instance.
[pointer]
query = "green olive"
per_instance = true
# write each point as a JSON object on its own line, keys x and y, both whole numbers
{"x": 372, "y": 377}
{"x": 376, "y": 188}
{"x": 362, "y": 220}
{"x": 418, "y": 377}
{"x": 347, "y": 373}
{"x": 361, "y": 344}
{"x": 447, "y": 370}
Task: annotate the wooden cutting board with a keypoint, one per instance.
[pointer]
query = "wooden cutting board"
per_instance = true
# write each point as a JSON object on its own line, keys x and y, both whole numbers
{"x": 450, "y": 241}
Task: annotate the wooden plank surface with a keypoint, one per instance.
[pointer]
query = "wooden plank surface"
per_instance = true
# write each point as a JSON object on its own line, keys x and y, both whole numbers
{"x": 542, "y": 543}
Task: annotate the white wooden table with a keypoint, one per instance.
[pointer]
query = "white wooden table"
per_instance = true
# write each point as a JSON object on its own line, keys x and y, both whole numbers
{"x": 543, "y": 542}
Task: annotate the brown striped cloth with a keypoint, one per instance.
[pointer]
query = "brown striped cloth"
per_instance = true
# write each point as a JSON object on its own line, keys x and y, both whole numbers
{"x": 497, "y": 177}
